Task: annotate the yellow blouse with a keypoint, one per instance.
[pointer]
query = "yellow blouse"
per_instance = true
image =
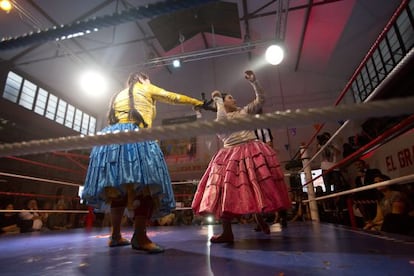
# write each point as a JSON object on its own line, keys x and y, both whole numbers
{"x": 145, "y": 98}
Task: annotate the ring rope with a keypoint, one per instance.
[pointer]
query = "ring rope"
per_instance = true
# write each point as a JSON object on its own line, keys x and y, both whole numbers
{"x": 372, "y": 145}
{"x": 40, "y": 179}
{"x": 398, "y": 69}
{"x": 409, "y": 57}
{"x": 68, "y": 211}
{"x": 75, "y": 184}
{"x": 400, "y": 180}
{"x": 38, "y": 195}
{"x": 45, "y": 211}
{"x": 279, "y": 119}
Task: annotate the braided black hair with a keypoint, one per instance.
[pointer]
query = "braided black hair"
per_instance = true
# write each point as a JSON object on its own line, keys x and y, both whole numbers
{"x": 133, "y": 113}
{"x": 112, "y": 119}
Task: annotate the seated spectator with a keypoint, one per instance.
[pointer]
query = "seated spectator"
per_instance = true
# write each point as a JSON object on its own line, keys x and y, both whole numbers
{"x": 9, "y": 221}
{"x": 299, "y": 208}
{"x": 167, "y": 220}
{"x": 332, "y": 177}
{"x": 58, "y": 221}
{"x": 392, "y": 202}
{"x": 401, "y": 222}
{"x": 365, "y": 201}
{"x": 30, "y": 220}
{"x": 77, "y": 220}
{"x": 47, "y": 205}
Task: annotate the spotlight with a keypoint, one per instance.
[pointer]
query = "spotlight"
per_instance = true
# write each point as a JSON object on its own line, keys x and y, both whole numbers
{"x": 93, "y": 83}
{"x": 5, "y": 5}
{"x": 176, "y": 63}
{"x": 210, "y": 220}
{"x": 274, "y": 54}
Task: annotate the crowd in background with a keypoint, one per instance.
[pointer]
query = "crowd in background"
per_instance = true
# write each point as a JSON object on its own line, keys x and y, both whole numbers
{"x": 34, "y": 216}
{"x": 387, "y": 209}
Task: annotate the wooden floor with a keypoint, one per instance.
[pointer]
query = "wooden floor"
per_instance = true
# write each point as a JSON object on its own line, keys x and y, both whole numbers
{"x": 304, "y": 248}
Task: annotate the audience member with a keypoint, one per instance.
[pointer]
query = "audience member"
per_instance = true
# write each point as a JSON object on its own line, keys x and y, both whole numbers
{"x": 58, "y": 221}
{"x": 391, "y": 201}
{"x": 392, "y": 211}
{"x": 365, "y": 201}
{"x": 9, "y": 221}
{"x": 330, "y": 155}
{"x": 166, "y": 220}
{"x": 77, "y": 220}
{"x": 31, "y": 220}
{"x": 47, "y": 205}
{"x": 299, "y": 208}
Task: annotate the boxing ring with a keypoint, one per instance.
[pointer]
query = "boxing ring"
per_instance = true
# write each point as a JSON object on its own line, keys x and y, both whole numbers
{"x": 303, "y": 248}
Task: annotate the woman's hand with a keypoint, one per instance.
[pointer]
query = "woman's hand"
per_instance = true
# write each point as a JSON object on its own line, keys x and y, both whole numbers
{"x": 250, "y": 76}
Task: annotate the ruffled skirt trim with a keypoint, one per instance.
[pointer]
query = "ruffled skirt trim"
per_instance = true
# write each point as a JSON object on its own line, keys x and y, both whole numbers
{"x": 243, "y": 179}
{"x": 122, "y": 166}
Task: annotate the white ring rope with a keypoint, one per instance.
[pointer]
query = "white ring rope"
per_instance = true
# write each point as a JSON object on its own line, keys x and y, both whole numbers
{"x": 45, "y": 211}
{"x": 40, "y": 179}
{"x": 400, "y": 180}
{"x": 276, "y": 119}
{"x": 73, "y": 184}
{"x": 67, "y": 211}
{"x": 408, "y": 58}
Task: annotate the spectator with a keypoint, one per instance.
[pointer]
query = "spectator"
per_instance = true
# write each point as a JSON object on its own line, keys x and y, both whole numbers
{"x": 391, "y": 202}
{"x": 392, "y": 211}
{"x": 365, "y": 175}
{"x": 365, "y": 202}
{"x": 47, "y": 205}
{"x": 9, "y": 221}
{"x": 331, "y": 153}
{"x": 31, "y": 220}
{"x": 300, "y": 209}
{"x": 58, "y": 221}
{"x": 77, "y": 220}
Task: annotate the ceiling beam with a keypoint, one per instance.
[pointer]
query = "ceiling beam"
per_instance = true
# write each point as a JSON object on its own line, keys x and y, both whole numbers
{"x": 303, "y": 33}
{"x": 254, "y": 14}
{"x": 51, "y": 20}
{"x": 79, "y": 27}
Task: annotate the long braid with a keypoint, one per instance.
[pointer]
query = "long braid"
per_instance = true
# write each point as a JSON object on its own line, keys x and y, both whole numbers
{"x": 112, "y": 119}
{"x": 134, "y": 115}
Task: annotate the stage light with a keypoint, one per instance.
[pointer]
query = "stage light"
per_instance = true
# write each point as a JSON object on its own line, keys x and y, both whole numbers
{"x": 274, "y": 54}
{"x": 210, "y": 219}
{"x": 93, "y": 83}
{"x": 5, "y": 5}
{"x": 176, "y": 63}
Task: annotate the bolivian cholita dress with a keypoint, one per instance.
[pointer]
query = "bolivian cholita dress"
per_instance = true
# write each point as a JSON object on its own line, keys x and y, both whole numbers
{"x": 244, "y": 177}
{"x": 117, "y": 169}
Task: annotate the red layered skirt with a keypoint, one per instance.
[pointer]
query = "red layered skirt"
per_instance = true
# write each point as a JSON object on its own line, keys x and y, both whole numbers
{"x": 242, "y": 179}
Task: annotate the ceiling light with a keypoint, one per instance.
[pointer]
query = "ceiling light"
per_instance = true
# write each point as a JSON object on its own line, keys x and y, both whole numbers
{"x": 93, "y": 83}
{"x": 274, "y": 54}
{"x": 176, "y": 63}
{"x": 5, "y": 5}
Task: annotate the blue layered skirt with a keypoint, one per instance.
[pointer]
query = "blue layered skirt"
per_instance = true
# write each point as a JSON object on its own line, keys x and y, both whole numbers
{"x": 122, "y": 168}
